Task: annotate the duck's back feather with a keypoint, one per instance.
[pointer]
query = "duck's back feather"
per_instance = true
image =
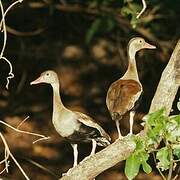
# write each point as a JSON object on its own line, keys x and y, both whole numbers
{"x": 121, "y": 96}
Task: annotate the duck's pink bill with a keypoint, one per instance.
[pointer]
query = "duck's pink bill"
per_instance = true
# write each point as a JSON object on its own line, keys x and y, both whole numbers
{"x": 37, "y": 81}
{"x": 149, "y": 46}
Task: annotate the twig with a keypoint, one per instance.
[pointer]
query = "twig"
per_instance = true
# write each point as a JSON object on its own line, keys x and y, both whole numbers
{"x": 162, "y": 175}
{"x": 175, "y": 177}
{"x": 42, "y": 137}
{"x": 8, "y": 153}
{"x": 29, "y": 33}
{"x": 143, "y": 9}
{"x": 171, "y": 164}
{"x": 10, "y": 74}
{"x": 22, "y": 122}
{"x": 6, "y": 163}
{"x": 4, "y": 30}
{"x": 3, "y": 25}
{"x": 4, "y": 14}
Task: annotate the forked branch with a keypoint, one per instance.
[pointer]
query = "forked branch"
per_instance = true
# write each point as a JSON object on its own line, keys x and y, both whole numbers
{"x": 7, "y": 152}
{"x": 7, "y": 155}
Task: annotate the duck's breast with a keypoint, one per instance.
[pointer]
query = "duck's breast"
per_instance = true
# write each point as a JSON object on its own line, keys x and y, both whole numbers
{"x": 65, "y": 123}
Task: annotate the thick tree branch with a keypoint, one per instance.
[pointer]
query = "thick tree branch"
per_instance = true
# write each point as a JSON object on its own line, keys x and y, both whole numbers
{"x": 169, "y": 83}
{"x": 108, "y": 157}
{"x": 121, "y": 149}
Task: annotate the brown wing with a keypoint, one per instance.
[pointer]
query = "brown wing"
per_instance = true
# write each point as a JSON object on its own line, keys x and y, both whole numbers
{"x": 122, "y": 96}
{"x": 88, "y": 121}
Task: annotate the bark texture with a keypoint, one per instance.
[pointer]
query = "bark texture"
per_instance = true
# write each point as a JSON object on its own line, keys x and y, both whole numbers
{"x": 108, "y": 157}
{"x": 168, "y": 84}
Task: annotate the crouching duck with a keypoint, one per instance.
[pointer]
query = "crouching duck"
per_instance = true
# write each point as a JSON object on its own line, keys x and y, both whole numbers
{"x": 75, "y": 127}
{"x": 124, "y": 93}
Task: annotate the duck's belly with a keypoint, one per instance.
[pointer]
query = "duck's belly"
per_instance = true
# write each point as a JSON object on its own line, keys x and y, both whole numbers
{"x": 66, "y": 124}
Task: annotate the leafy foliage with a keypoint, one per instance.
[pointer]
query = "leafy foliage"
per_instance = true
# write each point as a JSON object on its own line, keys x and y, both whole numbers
{"x": 130, "y": 10}
{"x": 164, "y": 158}
{"x": 132, "y": 166}
{"x": 103, "y": 24}
{"x": 138, "y": 158}
{"x": 106, "y": 23}
{"x": 160, "y": 128}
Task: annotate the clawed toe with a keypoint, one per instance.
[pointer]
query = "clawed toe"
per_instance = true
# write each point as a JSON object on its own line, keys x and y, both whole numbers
{"x": 119, "y": 138}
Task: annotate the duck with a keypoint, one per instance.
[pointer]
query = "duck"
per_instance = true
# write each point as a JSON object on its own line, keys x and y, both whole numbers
{"x": 74, "y": 126}
{"x": 123, "y": 94}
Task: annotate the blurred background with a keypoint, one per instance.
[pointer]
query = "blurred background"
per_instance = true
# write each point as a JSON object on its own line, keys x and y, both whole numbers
{"x": 85, "y": 42}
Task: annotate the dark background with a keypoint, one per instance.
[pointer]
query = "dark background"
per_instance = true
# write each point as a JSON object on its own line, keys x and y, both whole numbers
{"x": 85, "y": 42}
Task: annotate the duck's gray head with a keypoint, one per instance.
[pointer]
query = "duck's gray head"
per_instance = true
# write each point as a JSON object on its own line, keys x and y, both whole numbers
{"x": 138, "y": 43}
{"x": 49, "y": 77}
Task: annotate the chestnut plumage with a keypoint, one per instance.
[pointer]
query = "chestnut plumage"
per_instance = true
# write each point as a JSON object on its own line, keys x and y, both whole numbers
{"x": 75, "y": 127}
{"x": 124, "y": 93}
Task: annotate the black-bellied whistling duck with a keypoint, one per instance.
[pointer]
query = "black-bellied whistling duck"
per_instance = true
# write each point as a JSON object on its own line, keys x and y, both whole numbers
{"x": 74, "y": 126}
{"x": 123, "y": 93}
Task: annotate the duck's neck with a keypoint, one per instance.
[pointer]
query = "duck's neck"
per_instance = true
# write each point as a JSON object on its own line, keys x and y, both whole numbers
{"x": 131, "y": 72}
{"x": 57, "y": 103}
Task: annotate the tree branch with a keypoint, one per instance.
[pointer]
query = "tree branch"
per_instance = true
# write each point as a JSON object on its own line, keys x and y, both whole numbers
{"x": 169, "y": 83}
{"x": 143, "y": 9}
{"x": 108, "y": 157}
{"x": 121, "y": 149}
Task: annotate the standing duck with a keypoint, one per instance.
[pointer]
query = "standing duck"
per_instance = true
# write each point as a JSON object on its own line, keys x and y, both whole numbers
{"x": 74, "y": 126}
{"x": 123, "y": 94}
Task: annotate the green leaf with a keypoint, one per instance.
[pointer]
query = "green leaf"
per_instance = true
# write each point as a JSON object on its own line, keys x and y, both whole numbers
{"x": 176, "y": 150}
{"x": 177, "y": 119}
{"x": 154, "y": 118}
{"x": 132, "y": 166}
{"x": 172, "y": 131}
{"x": 139, "y": 144}
{"x": 126, "y": 11}
{"x": 143, "y": 159}
{"x": 134, "y": 21}
{"x": 146, "y": 167}
{"x": 163, "y": 157}
{"x": 109, "y": 24}
{"x": 100, "y": 25}
{"x": 125, "y": 1}
{"x": 92, "y": 30}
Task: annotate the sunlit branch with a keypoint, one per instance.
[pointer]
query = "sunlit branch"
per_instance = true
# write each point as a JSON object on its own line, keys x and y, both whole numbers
{"x": 143, "y": 9}
{"x": 7, "y": 10}
{"x": 22, "y": 122}
{"x": 9, "y": 154}
{"x": 4, "y": 30}
{"x": 42, "y": 137}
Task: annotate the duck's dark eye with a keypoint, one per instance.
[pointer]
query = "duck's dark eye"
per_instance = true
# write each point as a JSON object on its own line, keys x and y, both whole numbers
{"x": 140, "y": 41}
{"x": 47, "y": 74}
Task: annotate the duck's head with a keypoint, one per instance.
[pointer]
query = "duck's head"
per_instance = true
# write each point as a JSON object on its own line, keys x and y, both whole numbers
{"x": 49, "y": 77}
{"x": 138, "y": 43}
